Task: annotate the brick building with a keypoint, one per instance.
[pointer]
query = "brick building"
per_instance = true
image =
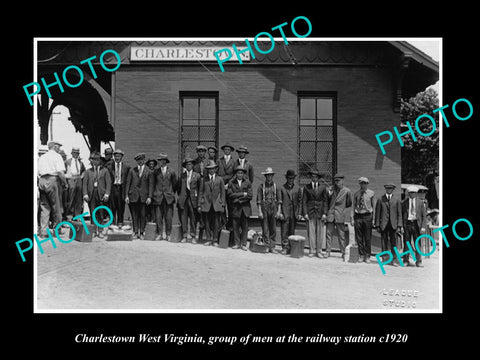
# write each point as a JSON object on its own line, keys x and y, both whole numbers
{"x": 308, "y": 104}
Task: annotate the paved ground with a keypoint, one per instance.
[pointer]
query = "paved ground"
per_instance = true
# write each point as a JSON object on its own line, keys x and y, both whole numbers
{"x": 162, "y": 275}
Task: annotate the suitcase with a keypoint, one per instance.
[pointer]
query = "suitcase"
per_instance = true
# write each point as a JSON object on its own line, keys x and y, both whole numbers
{"x": 81, "y": 235}
{"x": 176, "y": 234}
{"x": 297, "y": 244}
{"x": 119, "y": 235}
{"x": 224, "y": 239}
{"x": 257, "y": 244}
{"x": 150, "y": 231}
{"x": 351, "y": 253}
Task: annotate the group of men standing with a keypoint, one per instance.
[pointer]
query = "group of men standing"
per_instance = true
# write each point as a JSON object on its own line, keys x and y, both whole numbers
{"x": 211, "y": 194}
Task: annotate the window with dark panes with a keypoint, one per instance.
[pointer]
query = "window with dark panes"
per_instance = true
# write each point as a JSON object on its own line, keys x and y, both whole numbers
{"x": 317, "y": 135}
{"x": 199, "y": 121}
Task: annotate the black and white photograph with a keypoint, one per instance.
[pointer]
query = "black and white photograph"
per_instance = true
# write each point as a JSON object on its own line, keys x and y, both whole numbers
{"x": 237, "y": 175}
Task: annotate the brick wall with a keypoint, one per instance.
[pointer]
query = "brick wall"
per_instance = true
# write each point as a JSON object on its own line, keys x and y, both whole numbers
{"x": 258, "y": 108}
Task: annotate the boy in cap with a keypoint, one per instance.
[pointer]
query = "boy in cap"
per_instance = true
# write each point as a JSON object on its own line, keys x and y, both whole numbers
{"x": 340, "y": 200}
{"x": 240, "y": 194}
{"x": 291, "y": 197}
{"x": 414, "y": 223}
{"x": 187, "y": 199}
{"x": 201, "y": 161}
{"x": 75, "y": 169}
{"x": 165, "y": 181}
{"x": 139, "y": 192}
{"x": 269, "y": 201}
{"x": 314, "y": 209}
{"x": 211, "y": 202}
{"x": 97, "y": 188}
{"x": 363, "y": 218}
{"x": 119, "y": 173}
{"x": 388, "y": 219}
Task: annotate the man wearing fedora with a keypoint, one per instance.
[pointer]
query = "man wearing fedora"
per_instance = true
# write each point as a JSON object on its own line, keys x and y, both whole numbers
{"x": 240, "y": 194}
{"x": 364, "y": 203}
{"x": 340, "y": 200}
{"x": 314, "y": 210}
{"x": 414, "y": 224}
{"x": 269, "y": 201}
{"x": 150, "y": 209}
{"x": 97, "y": 186}
{"x": 201, "y": 161}
{"x": 165, "y": 181}
{"x": 226, "y": 167}
{"x": 119, "y": 173}
{"x": 388, "y": 219}
{"x": 242, "y": 151}
{"x": 75, "y": 169}
{"x": 211, "y": 202}
{"x": 290, "y": 196}
{"x": 50, "y": 167}
{"x": 139, "y": 190}
{"x": 187, "y": 199}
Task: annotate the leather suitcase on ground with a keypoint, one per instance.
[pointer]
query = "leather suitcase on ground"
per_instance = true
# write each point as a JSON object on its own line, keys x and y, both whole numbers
{"x": 150, "y": 231}
{"x": 351, "y": 253}
{"x": 176, "y": 234}
{"x": 81, "y": 234}
{"x": 119, "y": 235}
{"x": 297, "y": 245}
{"x": 257, "y": 244}
{"x": 224, "y": 239}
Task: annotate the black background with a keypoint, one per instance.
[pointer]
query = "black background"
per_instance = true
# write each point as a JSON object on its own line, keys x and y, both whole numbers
{"x": 427, "y": 333}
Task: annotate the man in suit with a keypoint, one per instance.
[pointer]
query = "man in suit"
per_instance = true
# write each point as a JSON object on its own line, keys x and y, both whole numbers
{"x": 242, "y": 151}
{"x": 290, "y": 209}
{"x": 187, "y": 199}
{"x": 314, "y": 210}
{"x": 240, "y": 194}
{"x": 97, "y": 188}
{"x": 414, "y": 224}
{"x": 165, "y": 181}
{"x": 119, "y": 173}
{"x": 340, "y": 200}
{"x": 201, "y": 161}
{"x": 226, "y": 166}
{"x": 212, "y": 203}
{"x": 139, "y": 192}
{"x": 363, "y": 218}
{"x": 150, "y": 209}
{"x": 388, "y": 219}
{"x": 75, "y": 169}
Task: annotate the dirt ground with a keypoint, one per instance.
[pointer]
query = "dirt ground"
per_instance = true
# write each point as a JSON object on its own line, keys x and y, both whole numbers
{"x": 161, "y": 275}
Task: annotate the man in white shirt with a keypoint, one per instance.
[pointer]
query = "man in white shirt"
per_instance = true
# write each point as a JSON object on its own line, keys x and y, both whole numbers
{"x": 118, "y": 172}
{"x": 75, "y": 169}
{"x": 414, "y": 223}
{"x": 50, "y": 168}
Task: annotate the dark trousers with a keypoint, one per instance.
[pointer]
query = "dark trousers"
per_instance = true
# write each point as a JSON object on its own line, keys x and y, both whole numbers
{"x": 75, "y": 200}
{"x": 187, "y": 217}
{"x": 363, "y": 233}
{"x": 388, "y": 236}
{"x": 240, "y": 229}
{"x": 93, "y": 203}
{"x": 164, "y": 212}
{"x": 118, "y": 204}
{"x": 287, "y": 228}
{"x": 211, "y": 220}
{"x": 412, "y": 232}
{"x": 137, "y": 209}
{"x": 269, "y": 225}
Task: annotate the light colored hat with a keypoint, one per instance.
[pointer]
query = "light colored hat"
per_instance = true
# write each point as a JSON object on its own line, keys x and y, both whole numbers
{"x": 239, "y": 168}
{"x": 42, "y": 149}
{"x": 53, "y": 142}
{"x": 412, "y": 189}
{"x": 118, "y": 151}
{"x": 211, "y": 164}
{"x": 201, "y": 147}
{"x": 242, "y": 148}
{"x": 187, "y": 160}
{"x": 363, "y": 179}
{"x": 267, "y": 171}
{"x": 139, "y": 156}
{"x": 75, "y": 149}
{"x": 228, "y": 145}
{"x": 163, "y": 156}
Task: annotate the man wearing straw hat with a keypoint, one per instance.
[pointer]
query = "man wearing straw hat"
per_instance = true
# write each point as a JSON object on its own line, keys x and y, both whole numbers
{"x": 269, "y": 201}
{"x": 165, "y": 181}
{"x": 187, "y": 199}
{"x": 211, "y": 202}
{"x": 414, "y": 224}
{"x": 314, "y": 209}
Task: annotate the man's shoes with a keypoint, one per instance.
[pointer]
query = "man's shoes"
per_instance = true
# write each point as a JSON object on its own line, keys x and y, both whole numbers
{"x": 169, "y": 237}
{"x": 208, "y": 243}
{"x": 141, "y": 237}
{"x": 273, "y": 251}
{"x": 215, "y": 244}
{"x": 134, "y": 236}
{"x": 367, "y": 259}
{"x": 419, "y": 264}
{"x": 284, "y": 251}
{"x": 320, "y": 255}
{"x": 235, "y": 247}
{"x": 244, "y": 248}
{"x": 194, "y": 241}
{"x": 158, "y": 237}
{"x": 360, "y": 259}
{"x": 310, "y": 254}
{"x": 184, "y": 240}
{"x": 394, "y": 264}
{"x": 327, "y": 254}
